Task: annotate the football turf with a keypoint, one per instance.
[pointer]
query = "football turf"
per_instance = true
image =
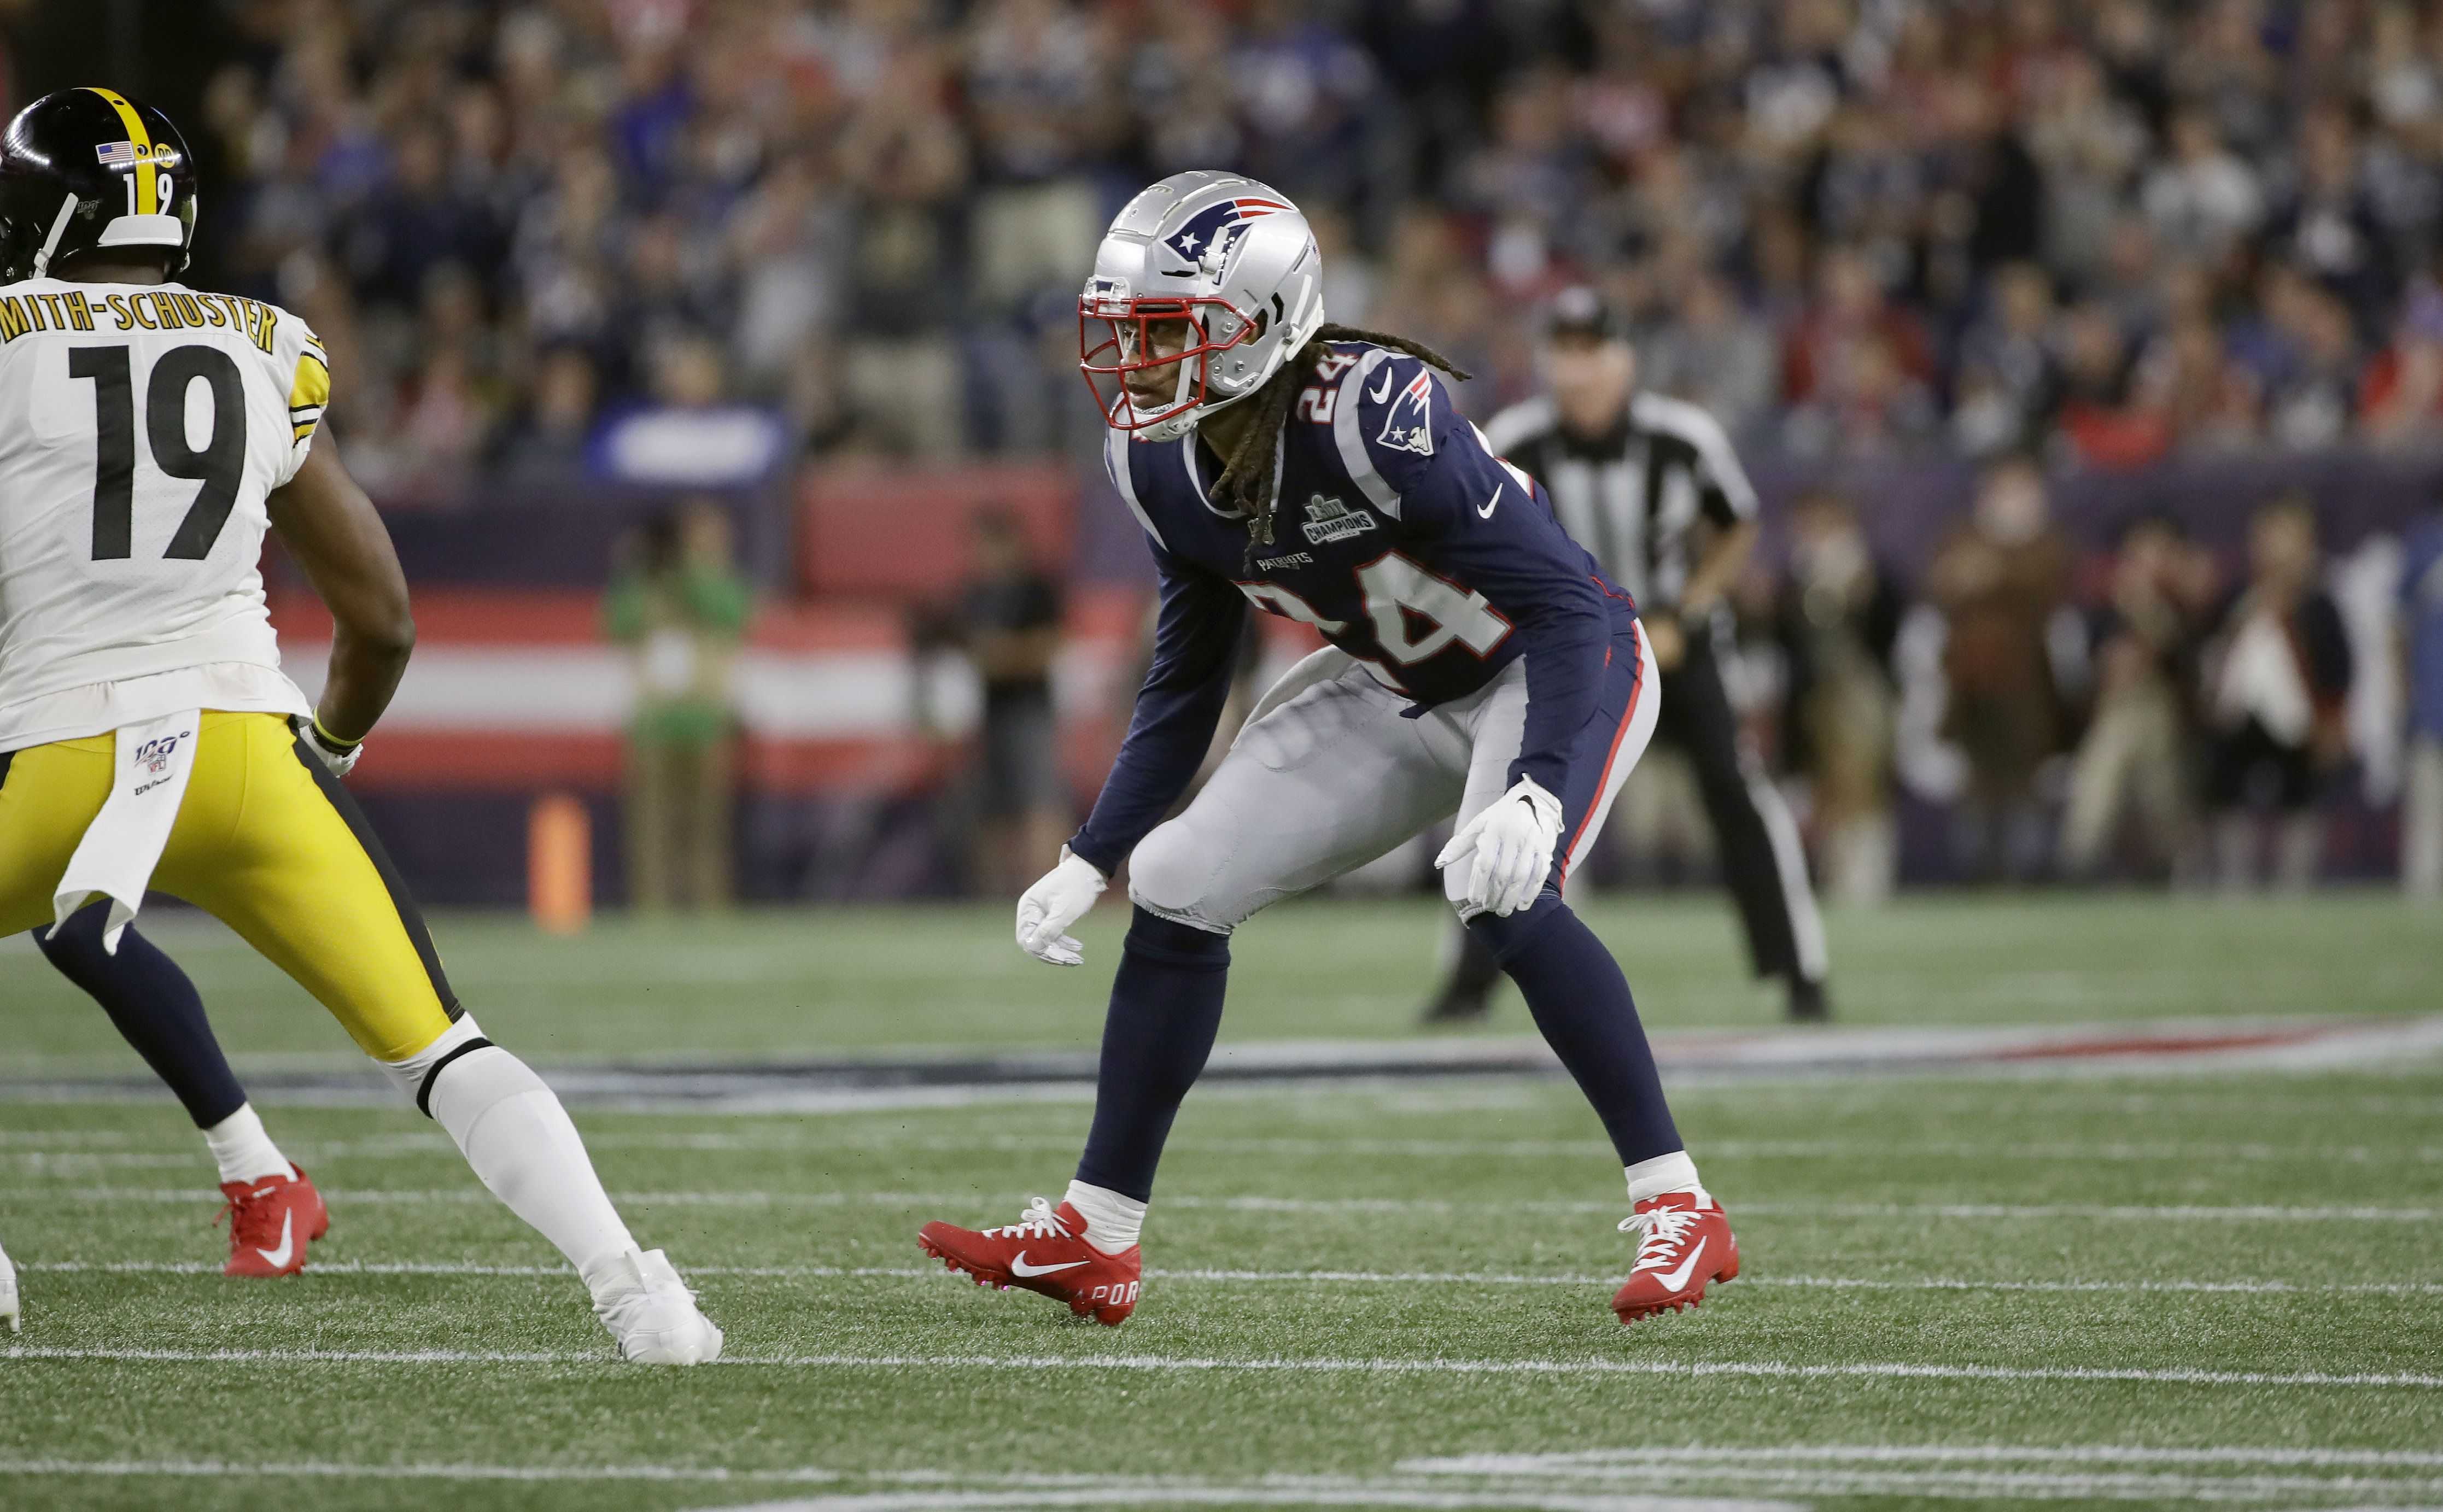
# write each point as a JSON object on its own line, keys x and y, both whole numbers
{"x": 2146, "y": 1289}
{"x": 796, "y": 984}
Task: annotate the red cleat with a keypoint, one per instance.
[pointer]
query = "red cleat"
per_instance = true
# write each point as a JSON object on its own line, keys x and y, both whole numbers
{"x": 1685, "y": 1241}
{"x": 321, "y": 1214}
{"x": 271, "y": 1220}
{"x": 1046, "y": 1252}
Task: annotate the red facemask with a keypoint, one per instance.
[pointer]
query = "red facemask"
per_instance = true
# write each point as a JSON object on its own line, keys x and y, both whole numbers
{"x": 1115, "y": 338}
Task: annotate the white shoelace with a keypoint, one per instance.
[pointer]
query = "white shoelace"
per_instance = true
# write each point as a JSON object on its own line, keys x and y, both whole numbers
{"x": 1038, "y": 1222}
{"x": 1659, "y": 1232}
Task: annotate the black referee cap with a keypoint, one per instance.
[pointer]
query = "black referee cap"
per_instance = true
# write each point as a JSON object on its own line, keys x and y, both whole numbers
{"x": 1579, "y": 313}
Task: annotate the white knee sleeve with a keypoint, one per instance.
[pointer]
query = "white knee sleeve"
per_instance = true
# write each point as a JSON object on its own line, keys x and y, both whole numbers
{"x": 519, "y": 1140}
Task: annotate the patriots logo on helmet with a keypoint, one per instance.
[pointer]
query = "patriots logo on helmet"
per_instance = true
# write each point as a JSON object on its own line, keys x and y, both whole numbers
{"x": 1208, "y": 234}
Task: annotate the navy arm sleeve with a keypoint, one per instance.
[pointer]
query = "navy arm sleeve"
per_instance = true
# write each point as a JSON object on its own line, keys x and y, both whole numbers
{"x": 1195, "y": 651}
{"x": 1492, "y": 530}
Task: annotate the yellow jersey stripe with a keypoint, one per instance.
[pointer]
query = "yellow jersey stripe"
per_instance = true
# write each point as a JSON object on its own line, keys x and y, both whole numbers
{"x": 148, "y": 183}
{"x": 313, "y": 382}
{"x": 308, "y": 393}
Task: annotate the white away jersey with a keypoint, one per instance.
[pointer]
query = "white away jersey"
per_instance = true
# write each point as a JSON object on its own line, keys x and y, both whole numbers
{"x": 142, "y": 428}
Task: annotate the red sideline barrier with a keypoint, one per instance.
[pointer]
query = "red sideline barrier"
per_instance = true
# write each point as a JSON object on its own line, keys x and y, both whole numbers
{"x": 428, "y": 752}
{"x": 902, "y": 531}
{"x": 418, "y": 762}
{"x": 400, "y": 761}
{"x": 556, "y": 616}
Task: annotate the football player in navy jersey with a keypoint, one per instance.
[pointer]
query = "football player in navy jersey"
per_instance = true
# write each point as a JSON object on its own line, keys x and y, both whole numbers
{"x": 1478, "y": 664}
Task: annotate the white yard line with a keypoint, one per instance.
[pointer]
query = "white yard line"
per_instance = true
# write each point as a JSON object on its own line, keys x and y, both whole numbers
{"x": 2045, "y": 1211}
{"x": 413, "y": 1471}
{"x": 1605, "y": 1460}
{"x": 187, "y": 1152}
{"x": 1361, "y": 1278}
{"x": 2047, "y": 1484}
{"x": 1776, "y": 1149}
{"x": 2385, "y": 1289}
{"x": 1330, "y": 1366}
{"x": 1441, "y": 1149}
{"x": 1570, "y": 1462}
{"x": 73, "y": 1162}
{"x": 969, "y": 1202}
{"x": 1529, "y": 1481}
{"x": 1046, "y": 1490}
{"x": 1522, "y": 1498}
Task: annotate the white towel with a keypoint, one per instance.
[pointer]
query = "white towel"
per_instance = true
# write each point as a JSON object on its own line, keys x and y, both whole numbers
{"x": 123, "y": 843}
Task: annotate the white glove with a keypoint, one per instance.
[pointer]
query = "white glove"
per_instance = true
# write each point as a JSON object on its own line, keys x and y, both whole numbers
{"x": 337, "y": 757}
{"x": 8, "y": 1292}
{"x": 1053, "y": 904}
{"x": 1511, "y": 841}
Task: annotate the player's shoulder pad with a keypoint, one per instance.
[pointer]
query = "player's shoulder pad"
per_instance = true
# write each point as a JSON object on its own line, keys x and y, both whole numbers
{"x": 1392, "y": 419}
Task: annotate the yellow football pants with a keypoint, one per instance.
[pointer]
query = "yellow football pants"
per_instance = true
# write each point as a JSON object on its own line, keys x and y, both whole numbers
{"x": 266, "y": 841}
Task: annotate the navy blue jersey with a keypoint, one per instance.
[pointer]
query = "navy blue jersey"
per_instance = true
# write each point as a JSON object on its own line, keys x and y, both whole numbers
{"x": 1398, "y": 536}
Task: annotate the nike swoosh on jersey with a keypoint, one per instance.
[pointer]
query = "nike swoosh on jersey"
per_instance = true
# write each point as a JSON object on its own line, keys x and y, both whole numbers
{"x": 1018, "y": 1266}
{"x": 1677, "y": 1279}
{"x": 1384, "y": 392}
{"x": 288, "y": 1239}
{"x": 1484, "y": 511}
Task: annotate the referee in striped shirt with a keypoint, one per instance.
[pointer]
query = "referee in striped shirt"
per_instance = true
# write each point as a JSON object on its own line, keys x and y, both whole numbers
{"x": 1650, "y": 485}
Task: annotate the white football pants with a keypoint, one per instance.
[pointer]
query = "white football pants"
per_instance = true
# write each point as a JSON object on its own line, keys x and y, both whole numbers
{"x": 1335, "y": 777}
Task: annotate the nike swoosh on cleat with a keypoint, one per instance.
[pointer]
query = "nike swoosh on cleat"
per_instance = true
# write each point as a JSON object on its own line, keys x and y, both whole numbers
{"x": 1486, "y": 511}
{"x": 1018, "y": 1266}
{"x": 1678, "y": 1277}
{"x": 287, "y": 1241}
{"x": 1384, "y": 392}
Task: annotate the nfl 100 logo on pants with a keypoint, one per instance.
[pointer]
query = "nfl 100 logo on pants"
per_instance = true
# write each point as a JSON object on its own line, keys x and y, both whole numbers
{"x": 152, "y": 761}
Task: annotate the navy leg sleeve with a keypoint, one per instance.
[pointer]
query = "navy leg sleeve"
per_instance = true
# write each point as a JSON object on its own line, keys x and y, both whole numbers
{"x": 1165, "y": 1009}
{"x": 1581, "y": 1003}
{"x": 156, "y": 1007}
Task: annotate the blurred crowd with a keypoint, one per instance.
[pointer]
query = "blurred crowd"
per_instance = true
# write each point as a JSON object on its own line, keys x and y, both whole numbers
{"x": 2168, "y": 712}
{"x": 697, "y": 241}
{"x": 2112, "y": 228}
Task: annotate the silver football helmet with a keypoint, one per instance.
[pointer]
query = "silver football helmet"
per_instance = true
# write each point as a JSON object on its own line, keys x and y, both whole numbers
{"x": 1213, "y": 276}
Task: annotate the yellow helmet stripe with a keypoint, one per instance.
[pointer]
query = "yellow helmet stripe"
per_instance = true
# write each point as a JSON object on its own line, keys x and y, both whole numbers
{"x": 148, "y": 190}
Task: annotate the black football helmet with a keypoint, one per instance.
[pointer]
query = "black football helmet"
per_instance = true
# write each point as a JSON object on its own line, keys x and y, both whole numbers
{"x": 85, "y": 169}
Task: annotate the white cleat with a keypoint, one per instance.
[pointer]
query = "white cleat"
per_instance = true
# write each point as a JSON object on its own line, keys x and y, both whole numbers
{"x": 8, "y": 1293}
{"x": 653, "y": 1315}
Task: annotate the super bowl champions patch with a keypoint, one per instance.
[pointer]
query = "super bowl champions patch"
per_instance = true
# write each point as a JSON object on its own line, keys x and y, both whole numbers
{"x": 1328, "y": 519}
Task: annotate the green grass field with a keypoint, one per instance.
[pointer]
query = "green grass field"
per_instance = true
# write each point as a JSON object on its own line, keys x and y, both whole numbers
{"x": 2141, "y": 1290}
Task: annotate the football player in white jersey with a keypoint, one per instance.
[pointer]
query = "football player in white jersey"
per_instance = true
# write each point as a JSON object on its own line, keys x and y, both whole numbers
{"x": 150, "y": 435}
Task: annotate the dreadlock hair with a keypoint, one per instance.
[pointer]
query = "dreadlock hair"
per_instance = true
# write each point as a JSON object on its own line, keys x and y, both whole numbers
{"x": 1247, "y": 480}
